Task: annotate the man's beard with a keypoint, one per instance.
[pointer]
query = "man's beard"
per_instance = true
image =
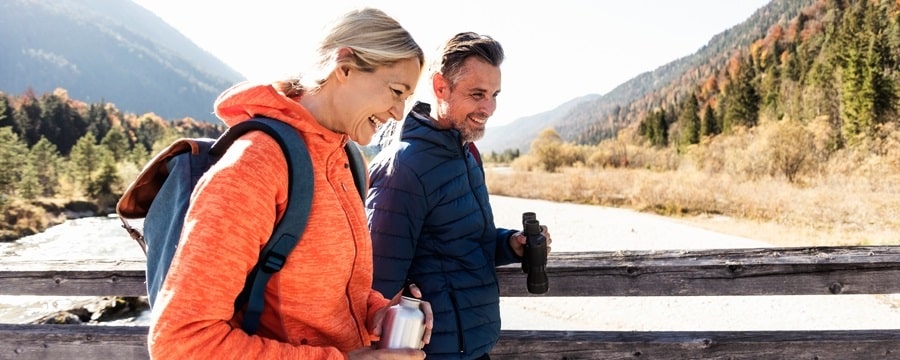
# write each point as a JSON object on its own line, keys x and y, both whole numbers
{"x": 470, "y": 134}
{"x": 467, "y": 131}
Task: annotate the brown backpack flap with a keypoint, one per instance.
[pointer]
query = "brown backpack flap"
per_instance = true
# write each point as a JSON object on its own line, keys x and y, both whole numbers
{"x": 136, "y": 200}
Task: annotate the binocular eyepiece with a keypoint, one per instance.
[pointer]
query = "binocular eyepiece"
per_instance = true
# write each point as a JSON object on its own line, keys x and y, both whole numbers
{"x": 534, "y": 259}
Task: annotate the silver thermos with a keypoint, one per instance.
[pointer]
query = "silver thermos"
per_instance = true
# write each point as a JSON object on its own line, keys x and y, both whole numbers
{"x": 404, "y": 324}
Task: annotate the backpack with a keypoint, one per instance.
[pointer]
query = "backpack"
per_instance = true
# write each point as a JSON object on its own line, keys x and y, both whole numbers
{"x": 161, "y": 194}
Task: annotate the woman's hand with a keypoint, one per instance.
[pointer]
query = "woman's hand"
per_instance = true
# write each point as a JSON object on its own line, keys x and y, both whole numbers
{"x": 425, "y": 306}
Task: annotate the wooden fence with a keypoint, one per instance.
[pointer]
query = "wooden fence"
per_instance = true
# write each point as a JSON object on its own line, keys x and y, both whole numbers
{"x": 833, "y": 271}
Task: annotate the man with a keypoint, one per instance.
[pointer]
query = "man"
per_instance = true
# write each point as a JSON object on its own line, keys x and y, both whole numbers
{"x": 428, "y": 207}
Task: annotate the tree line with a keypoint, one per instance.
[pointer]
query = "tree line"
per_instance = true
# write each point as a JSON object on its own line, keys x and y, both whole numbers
{"x": 53, "y": 146}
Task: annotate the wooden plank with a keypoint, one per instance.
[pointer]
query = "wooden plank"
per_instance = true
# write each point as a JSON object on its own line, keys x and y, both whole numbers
{"x": 752, "y": 345}
{"x": 768, "y": 271}
{"x": 38, "y": 342}
{"x": 764, "y": 271}
{"x": 129, "y": 342}
{"x": 68, "y": 278}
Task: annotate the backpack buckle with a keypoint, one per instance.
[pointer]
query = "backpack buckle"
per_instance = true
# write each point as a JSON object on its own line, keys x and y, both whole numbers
{"x": 273, "y": 263}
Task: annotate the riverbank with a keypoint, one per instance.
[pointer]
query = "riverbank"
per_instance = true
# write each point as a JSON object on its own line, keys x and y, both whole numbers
{"x": 25, "y": 218}
{"x": 834, "y": 209}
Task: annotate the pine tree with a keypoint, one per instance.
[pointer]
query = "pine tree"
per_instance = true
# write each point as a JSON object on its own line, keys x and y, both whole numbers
{"x": 28, "y": 119}
{"x": 655, "y": 129}
{"x": 98, "y": 119}
{"x": 740, "y": 99}
{"x": 138, "y": 155}
{"x": 6, "y": 112}
{"x": 689, "y": 122}
{"x": 116, "y": 142}
{"x": 103, "y": 187}
{"x": 708, "y": 123}
{"x": 45, "y": 154}
{"x": 84, "y": 158}
{"x": 150, "y": 130}
{"x": 28, "y": 187}
{"x": 770, "y": 87}
{"x": 867, "y": 94}
{"x": 13, "y": 158}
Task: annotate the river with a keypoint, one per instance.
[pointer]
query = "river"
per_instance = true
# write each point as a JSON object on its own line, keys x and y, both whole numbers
{"x": 573, "y": 228}
{"x": 79, "y": 239}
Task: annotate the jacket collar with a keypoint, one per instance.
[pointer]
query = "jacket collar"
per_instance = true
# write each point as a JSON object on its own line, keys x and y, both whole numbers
{"x": 420, "y": 125}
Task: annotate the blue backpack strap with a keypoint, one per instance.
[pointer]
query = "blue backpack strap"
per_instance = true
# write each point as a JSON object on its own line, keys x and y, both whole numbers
{"x": 287, "y": 233}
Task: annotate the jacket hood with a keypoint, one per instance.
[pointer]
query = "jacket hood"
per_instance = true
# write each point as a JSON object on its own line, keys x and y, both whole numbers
{"x": 247, "y": 100}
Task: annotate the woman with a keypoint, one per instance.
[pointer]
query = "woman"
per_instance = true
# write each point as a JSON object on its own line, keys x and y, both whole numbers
{"x": 320, "y": 305}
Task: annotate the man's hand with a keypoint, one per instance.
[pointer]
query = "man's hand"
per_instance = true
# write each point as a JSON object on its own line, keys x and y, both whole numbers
{"x": 517, "y": 241}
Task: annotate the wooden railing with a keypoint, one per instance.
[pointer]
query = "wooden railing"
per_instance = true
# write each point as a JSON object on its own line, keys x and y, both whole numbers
{"x": 834, "y": 271}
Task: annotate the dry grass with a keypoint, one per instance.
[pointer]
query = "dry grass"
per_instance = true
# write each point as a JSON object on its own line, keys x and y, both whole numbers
{"x": 781, "y": 182}
{"x": 824, "y": 211}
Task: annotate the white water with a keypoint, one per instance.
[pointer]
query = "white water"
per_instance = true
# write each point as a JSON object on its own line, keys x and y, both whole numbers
{"x": 99, "y": 238}
{"x": 92, "y": 238}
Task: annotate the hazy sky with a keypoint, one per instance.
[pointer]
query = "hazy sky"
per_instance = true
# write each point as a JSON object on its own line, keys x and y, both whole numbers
{"x": 555, "y": 50}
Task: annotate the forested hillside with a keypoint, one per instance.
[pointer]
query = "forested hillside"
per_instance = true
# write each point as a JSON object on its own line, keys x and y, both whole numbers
{"x": 52, "y": 146}
{"x": 631, "y": 102}
{"x": 825, "y": 80}
{"x": 837, "y": 63}
{"x": 603, "y": 117}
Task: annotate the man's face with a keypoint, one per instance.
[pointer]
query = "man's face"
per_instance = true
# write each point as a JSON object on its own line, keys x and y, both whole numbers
{"x": 466, "y": 103}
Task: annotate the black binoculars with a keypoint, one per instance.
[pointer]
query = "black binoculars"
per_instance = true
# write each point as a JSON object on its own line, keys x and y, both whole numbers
{"x": 534, "y": 260}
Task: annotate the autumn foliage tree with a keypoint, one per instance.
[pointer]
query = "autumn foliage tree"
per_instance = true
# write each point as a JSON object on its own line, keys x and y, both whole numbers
{"x": 547, "y": 149}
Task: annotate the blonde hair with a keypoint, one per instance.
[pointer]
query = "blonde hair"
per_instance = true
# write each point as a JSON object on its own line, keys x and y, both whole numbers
{"x": 374, "y": 38}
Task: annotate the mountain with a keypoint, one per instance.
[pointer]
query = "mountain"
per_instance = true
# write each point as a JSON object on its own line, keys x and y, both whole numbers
{"x": 601, "y": 117}
{"x": 519, "y": 133}
{"x": 108, "y": 51}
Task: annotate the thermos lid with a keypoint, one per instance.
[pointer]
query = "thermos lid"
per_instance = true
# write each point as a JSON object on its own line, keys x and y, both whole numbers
{"x": 410, "y": 301}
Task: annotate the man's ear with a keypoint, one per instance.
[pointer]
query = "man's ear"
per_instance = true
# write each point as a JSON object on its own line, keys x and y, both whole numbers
{"x": 440, "y": 85}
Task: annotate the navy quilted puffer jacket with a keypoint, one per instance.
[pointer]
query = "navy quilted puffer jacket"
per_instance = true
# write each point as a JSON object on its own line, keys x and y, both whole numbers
{"x": 431, "y": 222}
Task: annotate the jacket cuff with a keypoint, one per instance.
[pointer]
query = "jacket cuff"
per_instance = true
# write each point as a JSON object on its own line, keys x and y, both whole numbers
{"x": 505, "y": 253}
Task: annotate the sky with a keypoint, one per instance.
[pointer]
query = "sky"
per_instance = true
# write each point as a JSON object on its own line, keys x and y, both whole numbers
{"x": 555, "y": 50}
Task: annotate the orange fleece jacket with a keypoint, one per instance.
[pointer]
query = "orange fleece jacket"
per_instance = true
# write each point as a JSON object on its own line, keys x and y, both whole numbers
{"x": 319, "y": 305}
